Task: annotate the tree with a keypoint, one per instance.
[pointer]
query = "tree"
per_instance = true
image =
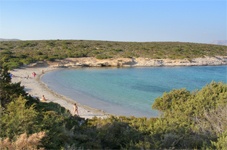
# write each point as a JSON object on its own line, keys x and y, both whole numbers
{"x": 8, "y": 90}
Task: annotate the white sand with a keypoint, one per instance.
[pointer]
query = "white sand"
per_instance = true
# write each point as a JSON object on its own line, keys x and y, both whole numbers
{"x": 36, "y": 88}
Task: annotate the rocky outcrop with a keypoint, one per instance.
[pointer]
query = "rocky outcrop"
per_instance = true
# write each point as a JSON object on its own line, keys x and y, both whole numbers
{"x": 133, "y": 62}
{"x": 206, "y": 61}
{"x": 92, "y": 62}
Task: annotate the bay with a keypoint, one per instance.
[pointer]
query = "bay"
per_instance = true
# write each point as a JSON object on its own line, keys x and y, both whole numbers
{"x": 129, "y": 91}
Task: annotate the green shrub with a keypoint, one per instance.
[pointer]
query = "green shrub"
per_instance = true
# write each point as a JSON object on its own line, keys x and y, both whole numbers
{"x": 18, "y": 119}
{"x": 221, "y": 142}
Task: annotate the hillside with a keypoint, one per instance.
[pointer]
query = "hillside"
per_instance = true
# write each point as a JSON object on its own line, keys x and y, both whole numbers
{"x": 16, "y": 53}
{"x": 220, "y": 42}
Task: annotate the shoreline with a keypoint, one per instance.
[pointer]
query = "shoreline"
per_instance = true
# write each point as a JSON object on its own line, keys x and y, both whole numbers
{"x": 36, "y": 88}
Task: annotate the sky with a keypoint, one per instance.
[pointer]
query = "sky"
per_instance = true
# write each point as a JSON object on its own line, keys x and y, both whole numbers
{"x": 199, "y": 21}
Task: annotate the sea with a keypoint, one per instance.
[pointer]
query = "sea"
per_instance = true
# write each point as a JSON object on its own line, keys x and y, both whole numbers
{"x": 129, "y": 91}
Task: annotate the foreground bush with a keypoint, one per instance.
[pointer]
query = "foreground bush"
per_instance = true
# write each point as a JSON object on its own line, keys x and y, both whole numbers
{"x": 23, "y": 142}
{"x": 193, "y": 119}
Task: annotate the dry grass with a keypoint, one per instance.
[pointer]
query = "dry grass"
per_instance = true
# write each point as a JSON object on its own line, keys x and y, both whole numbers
{"x": 23, "y": 142}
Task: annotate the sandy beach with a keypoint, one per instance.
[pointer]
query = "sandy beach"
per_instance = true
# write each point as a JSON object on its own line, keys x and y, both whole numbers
{"x": 36, "y": 88}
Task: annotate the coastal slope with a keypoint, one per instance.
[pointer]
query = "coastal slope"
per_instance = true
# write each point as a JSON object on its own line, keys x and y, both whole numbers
{"x": 132, "y": 62}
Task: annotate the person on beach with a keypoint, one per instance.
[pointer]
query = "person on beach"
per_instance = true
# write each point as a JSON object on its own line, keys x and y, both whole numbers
{"x": 75, "y": 109}
{"x": 11, "y": 75}
{"x": 34, "y": 74}
{"x": 43, "y": 99}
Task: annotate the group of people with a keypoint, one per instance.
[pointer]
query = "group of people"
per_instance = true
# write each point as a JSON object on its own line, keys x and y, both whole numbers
{"x": 33, "y": 74}
{"x": 43, "y": 99}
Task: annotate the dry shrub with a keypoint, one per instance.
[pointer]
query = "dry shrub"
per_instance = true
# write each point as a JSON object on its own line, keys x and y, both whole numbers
{"x": 23, "y": 142}
{"x": 214, "y": 121}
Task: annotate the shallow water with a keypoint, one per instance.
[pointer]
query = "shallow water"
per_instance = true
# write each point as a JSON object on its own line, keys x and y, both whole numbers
{"x": 129, "y": 91}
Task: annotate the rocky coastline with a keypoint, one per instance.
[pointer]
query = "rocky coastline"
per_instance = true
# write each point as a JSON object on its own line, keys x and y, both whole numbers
{"x": 131, "y": 62}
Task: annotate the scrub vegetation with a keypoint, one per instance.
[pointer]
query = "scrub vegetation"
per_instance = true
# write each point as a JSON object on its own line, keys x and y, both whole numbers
{"x": 16, "y": 53}
{"x": 189, "y": 120}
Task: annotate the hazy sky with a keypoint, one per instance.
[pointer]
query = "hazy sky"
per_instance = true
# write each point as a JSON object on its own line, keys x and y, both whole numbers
{"x": 200, "y": 21}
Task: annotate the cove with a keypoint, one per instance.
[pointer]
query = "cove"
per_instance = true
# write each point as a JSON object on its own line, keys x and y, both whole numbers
{"x": 129, "y": 91}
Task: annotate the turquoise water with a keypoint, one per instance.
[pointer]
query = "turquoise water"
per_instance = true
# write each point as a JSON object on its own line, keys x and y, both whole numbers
{"x": 129, "y": 91}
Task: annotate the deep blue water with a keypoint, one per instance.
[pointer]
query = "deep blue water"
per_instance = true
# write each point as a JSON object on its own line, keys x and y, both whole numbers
{"x": 129, "y": 91}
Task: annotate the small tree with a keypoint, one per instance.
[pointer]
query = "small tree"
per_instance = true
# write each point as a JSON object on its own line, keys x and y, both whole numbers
{"x": 8, "y": 90}
{"x": 18, "y": 119}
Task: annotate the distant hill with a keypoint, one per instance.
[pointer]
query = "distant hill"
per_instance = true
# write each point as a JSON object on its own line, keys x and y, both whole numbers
{"x": 220, "y": 42}
{"x": 16, "y": 53}
{"x": 1, "y": 39}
